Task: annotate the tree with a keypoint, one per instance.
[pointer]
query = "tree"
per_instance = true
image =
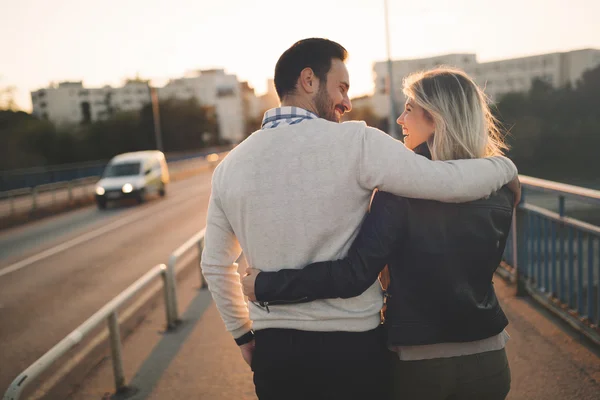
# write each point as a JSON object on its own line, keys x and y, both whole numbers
{"x": 185, "y": 124}
{"x": 7, "y": 98}
{"x": 555, "y": 133}
{"x": 28, "y": 141}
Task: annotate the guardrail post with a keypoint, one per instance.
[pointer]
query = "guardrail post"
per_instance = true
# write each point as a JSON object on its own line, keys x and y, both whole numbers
{"x": 521, "y": 249}
{"x": 11, "y": 199}
{"x": 171, "y": 293}
{"x": 34, "y": 194}
{"x": 171, "y": 320}
{"x": 165, "y": 280}
{"x": 70, "y": 190}
{"x": 116, "y": 352}
{"x": 203, "y": 284}
{"x": 561, "y": 206}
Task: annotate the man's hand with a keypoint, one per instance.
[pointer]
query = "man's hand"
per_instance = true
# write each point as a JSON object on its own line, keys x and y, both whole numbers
{"x": 247, "y": 351}
{"x": 248, "y": 283}
{"x": 515, "y": 187}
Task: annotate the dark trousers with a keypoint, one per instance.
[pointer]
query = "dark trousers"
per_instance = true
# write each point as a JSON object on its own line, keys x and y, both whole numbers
{"x": 290, "y": 364}
{"x": 474, "y": 377}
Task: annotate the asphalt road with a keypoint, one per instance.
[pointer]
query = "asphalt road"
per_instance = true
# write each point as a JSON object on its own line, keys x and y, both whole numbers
{"x": 57, "y": 272}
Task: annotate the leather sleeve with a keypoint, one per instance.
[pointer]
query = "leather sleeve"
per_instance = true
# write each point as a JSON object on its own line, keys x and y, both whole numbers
{"x": 380, "y": 236}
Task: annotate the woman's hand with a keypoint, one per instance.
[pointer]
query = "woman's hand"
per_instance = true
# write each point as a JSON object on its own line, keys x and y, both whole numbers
{"x": 515, "y": 187}
{"x": 248, "y": 283}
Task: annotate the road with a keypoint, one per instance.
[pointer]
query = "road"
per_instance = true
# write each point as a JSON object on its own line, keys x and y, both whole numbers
{"x": 58, "y": 194}
{"x": 57, "y": 272}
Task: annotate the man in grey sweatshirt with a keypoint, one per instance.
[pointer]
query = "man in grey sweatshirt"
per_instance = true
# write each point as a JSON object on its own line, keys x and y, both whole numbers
{"x": 296, "y": 192}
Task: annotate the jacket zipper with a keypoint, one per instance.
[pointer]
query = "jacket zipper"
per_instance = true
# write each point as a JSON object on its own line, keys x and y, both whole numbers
{"x": 265, "y": 304}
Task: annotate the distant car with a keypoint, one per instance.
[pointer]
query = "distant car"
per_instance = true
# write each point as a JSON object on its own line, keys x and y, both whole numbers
{"x": 133, "y": 176}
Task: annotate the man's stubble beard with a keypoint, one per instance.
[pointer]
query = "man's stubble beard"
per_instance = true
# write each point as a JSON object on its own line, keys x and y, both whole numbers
{"x": 324, "y": 105}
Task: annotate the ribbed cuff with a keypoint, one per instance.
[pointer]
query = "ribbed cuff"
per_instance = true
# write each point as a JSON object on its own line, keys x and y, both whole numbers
{"x": 245, "y": 338}
{"x": 242, "y": 330}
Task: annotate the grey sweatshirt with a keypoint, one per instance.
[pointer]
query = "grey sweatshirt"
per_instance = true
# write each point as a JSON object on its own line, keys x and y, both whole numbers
{"x": 297, "y": 194}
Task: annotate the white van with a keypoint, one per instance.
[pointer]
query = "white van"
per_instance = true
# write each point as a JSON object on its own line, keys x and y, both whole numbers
{"x": 133, "y": 175}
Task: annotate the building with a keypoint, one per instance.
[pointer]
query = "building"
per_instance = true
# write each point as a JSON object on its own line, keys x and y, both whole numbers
{"x": 213, "y": 88}
{"x": 270, "y": 99}
{"x": 496, "y": 77}
{"x": 70, "y": 103}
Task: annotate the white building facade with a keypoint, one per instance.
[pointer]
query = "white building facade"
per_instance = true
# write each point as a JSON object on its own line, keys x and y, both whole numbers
{"x": 213, "y": 88}
{"x": 70, "y": 103}
{"x": 496, "y": 77}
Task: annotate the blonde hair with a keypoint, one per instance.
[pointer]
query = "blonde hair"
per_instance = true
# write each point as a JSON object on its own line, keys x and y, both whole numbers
{"x": 464, "y": 124}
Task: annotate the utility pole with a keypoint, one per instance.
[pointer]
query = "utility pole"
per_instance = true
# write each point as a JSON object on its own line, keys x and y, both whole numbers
{"x": 156, "y": 117}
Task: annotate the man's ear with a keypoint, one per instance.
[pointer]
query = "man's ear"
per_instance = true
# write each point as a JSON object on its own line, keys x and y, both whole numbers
{"x": 308, "y": 82}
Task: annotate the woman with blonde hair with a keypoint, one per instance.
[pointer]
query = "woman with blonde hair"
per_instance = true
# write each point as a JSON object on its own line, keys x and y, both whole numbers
{"x": 445, "y": 327}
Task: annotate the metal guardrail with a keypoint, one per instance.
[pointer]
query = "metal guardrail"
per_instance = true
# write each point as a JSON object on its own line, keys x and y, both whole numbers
{"x": 29, "y": 200}
{"x": 109, "y": 313}
{"x": 556, "y": 258}
{"x": 36, "y": 176}
{"x": 34, "y": 192}
{"x": 195, "y": 241}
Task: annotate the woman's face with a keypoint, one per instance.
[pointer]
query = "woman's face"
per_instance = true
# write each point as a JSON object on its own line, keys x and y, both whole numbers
{"x": 416, "y": 126}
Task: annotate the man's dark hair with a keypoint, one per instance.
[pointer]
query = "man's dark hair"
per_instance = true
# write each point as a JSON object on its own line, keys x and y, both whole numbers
{"x": 314, "y": 53}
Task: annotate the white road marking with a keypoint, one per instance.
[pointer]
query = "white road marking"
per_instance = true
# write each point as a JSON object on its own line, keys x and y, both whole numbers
{"x": 84, "y": 238}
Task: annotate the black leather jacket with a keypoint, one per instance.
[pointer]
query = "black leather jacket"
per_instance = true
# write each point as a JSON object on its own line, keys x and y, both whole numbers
{"x": 441, "y": 259}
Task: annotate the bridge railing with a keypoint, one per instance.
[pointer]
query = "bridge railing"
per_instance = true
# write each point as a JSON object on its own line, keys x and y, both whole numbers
{"x": 36, "y": 176}
{"x": 27, "y": 200}
{"x": 109, "y": 314}
{"x": 555, "y": 258}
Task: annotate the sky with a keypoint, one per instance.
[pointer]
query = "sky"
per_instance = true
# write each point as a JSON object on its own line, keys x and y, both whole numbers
{"x": 105, "y": 42}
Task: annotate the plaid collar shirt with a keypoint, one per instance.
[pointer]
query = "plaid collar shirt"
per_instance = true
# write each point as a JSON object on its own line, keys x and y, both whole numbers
{"x": 288, "y": 115}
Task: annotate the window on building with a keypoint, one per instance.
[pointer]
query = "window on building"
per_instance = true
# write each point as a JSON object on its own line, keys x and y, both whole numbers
{"x": 41, "y": 94}
{"x": 43, "y": 104}
{"x": 45, "y": 115}
{"x": 225, "y": 92}
{"x": 84, "y": 93}
{"x": 86, "y": 112}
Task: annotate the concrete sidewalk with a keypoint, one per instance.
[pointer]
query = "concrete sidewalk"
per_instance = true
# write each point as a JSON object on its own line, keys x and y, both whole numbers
{"x": 201, "y": 361}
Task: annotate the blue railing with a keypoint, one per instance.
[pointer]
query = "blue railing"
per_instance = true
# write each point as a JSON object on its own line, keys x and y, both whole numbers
{"x": 30, "y": 177}
{"x": 555, "y": 257}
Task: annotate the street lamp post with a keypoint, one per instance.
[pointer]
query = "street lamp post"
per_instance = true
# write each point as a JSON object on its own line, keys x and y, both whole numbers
{"x": 156, "y": 118}
{"x": 392, "y": 117}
